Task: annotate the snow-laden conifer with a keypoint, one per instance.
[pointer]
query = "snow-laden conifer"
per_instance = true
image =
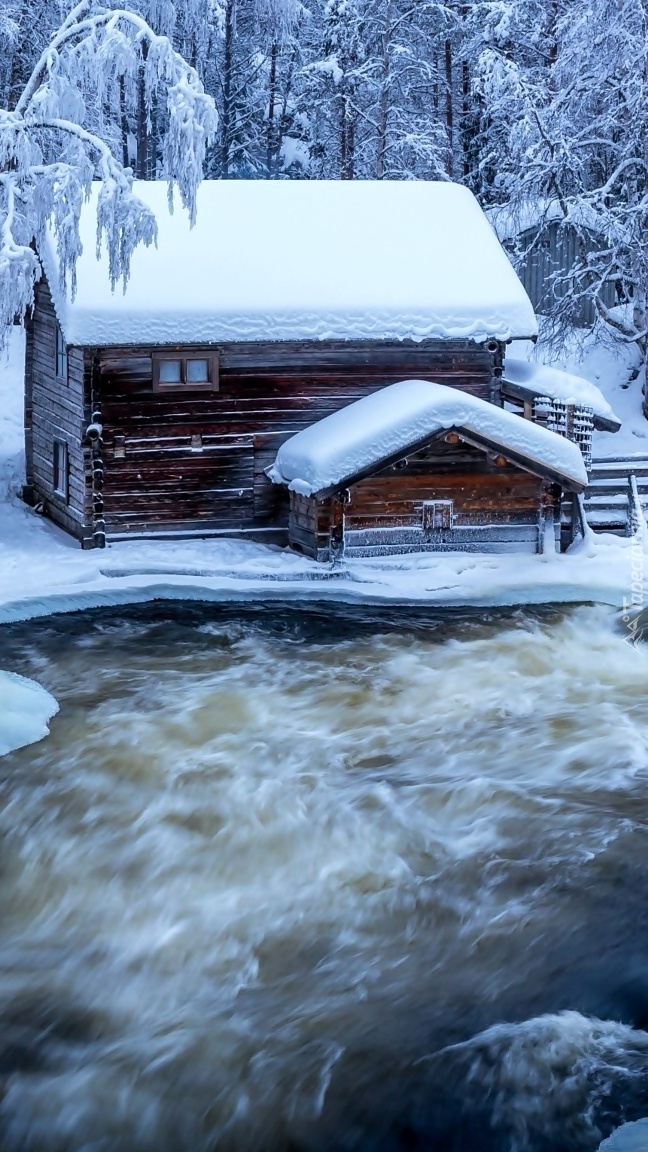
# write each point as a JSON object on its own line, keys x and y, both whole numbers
{"x": 62, "y": 133}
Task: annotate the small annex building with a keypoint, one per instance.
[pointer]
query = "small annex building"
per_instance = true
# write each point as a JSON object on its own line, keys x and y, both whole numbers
{"x": 549, "y": 248}
{"x": 420, "y": 467}
{"x": 157, "y": 411}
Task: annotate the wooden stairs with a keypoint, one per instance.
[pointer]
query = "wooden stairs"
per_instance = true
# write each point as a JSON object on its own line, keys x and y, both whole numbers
{"x": 618, "y": 488}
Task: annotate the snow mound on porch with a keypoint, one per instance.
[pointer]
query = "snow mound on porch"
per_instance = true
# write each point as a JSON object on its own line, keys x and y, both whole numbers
{"x": 300, "y": 260}
{"x": 359, "y": 437}
{"x": 558, "y": 385}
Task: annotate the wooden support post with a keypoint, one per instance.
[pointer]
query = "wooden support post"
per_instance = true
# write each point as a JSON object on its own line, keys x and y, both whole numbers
{"x": 337, "y": 528}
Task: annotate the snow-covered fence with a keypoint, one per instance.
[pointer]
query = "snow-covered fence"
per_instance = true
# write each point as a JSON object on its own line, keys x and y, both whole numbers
{"x": 573, "y": 421}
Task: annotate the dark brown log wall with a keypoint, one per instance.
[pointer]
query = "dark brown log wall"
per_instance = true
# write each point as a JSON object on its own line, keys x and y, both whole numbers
{"x": 54, "y": 409}
{"x": 191, "y": 462}
{"x": 316, "y": 527}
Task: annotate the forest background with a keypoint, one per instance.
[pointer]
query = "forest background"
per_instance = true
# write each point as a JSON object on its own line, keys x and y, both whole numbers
{"x": 539, "y": 106}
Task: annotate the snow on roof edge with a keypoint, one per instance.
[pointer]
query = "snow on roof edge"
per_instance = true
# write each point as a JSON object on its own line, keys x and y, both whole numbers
{"x": 273, "y": 329}
{"x": 364, "y": 434}
{"x": 51, "y": 274}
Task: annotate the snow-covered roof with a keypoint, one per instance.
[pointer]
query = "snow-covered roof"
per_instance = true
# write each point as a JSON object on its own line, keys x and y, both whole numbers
{"x": 360, "y": 437}
{"x": 293, "y": 259}
{"x": 532, "y": 380}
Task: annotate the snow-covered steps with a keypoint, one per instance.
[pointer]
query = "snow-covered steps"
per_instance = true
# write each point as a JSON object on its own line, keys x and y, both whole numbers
{"x": 619, "y": 466}
{"x": 608, "y": 499}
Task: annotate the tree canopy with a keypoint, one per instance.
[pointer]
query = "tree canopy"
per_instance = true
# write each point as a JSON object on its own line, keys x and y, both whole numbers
{"x": 539, "y": 104}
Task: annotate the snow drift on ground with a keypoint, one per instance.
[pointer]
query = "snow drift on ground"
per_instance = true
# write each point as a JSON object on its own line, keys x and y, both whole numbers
{"x": 295, "y": 259}
{"x": 25, "y": 712}
{"x": 354, "y": 439}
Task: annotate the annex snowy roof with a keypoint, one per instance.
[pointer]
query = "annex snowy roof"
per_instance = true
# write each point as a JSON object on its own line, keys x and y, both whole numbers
{"x": 530, "y": 380}
{"x": 292, "y": 260}
{"x": 361, "y": 436}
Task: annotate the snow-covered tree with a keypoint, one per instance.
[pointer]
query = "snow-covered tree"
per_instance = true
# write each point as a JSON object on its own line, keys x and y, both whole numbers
{"x": 280, "y": 22}
{"x": 564, "y": 91}
{"x": 536, "y": 104}
{"x": 64, "y": 129}
{"x": 411, "y": 94}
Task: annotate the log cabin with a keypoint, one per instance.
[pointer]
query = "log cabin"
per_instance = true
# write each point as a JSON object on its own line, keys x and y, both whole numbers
{"x": 157, "y": 411}
{"x": 419, "y": 467}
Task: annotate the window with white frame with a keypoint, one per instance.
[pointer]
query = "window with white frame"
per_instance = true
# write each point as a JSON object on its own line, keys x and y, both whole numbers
{"x": 61, "y": 469}
{"x": 61, "y": 355}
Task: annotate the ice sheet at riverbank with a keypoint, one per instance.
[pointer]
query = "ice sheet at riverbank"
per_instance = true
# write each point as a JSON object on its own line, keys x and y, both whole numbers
{"x": 25, "y": 712}
{"x": 628, "y": 1138}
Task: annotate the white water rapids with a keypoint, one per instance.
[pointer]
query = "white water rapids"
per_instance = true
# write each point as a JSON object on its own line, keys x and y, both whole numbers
{"x": 291, "y": 882}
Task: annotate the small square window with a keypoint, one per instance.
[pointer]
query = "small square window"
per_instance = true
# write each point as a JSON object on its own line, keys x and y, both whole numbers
{"x": 61, "y": 355}
{"x": 60, "y": 469}
{"x": 170, "y": 371}
{"x": 197, "y": 372}
{"x": 185, "y": 372}
{"x": 437, "y": 514}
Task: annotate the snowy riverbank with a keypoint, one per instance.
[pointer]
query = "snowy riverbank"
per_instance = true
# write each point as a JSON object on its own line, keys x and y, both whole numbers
{"x": 43, "y": 570}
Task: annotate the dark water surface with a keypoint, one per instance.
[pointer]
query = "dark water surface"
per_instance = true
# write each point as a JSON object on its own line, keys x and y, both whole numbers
{"x": 302, "y": 880}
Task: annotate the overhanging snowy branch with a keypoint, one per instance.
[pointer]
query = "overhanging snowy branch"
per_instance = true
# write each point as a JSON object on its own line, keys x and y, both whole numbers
{"x": 56, "y": 141}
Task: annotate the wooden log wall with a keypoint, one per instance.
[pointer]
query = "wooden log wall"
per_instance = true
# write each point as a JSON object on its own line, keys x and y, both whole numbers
{"x": 493, "y": 505}
{"x": 55, "y": 409}
{"x": 316, "y": 527}
{"x": 194, "y": 462}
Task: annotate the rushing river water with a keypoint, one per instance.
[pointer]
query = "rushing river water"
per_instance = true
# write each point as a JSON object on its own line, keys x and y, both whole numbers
{"x": 295, "y": 881}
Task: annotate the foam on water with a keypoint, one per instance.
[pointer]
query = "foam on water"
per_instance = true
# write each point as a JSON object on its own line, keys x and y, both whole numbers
{"x": 281, "y": 881}
{"x": 549, "y": 1078}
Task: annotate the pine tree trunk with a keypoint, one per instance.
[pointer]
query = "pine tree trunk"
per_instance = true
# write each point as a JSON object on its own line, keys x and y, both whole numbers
{"x": 152, "y": 152}
{"x": 284, "y": 118}
{"x": 347, "y": 141}
{"x": 449, "y": 107}
{"x": 350, "y": 149}
{"x": 383, "y": 110}
{"x": 272, "y": 97}
{"x": 123, "y": 122}
{"x": 142, "y": 122}
{"x": 226, "y": 118}
{"x": 466, "y": 142}
{"x": 343, "y": 139}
